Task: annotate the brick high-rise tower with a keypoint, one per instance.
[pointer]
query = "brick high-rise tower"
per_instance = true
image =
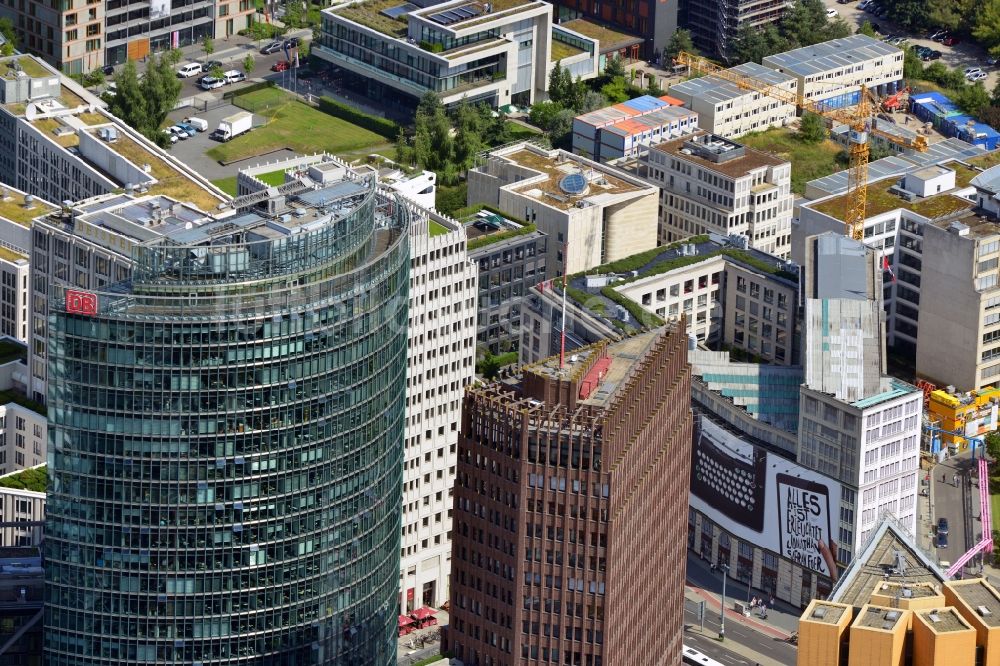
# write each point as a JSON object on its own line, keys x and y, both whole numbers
{"x": 569, "y": 530}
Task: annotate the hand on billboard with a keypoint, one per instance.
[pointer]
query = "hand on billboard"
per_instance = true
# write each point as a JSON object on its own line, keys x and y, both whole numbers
{"x": 829, "y": 554}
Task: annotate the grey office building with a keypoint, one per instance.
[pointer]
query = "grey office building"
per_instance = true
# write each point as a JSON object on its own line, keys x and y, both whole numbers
{"x": 226, "y": 434}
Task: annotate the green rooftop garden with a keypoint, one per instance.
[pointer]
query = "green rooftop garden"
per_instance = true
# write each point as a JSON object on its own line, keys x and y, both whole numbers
{"x": 13, "y": 209}
{"x": 562, "y": 50}
{"x": 369, "y": 14}
{"x": 880, "y": 200}
{"x": 436, "y": 228}
{"x": 28, "y": 65}
{"x": 35, "y": 479}
{"x": 11, "y": 350}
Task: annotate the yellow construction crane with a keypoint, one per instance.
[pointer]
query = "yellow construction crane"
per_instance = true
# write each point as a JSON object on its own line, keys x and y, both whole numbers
{"x": 859, "y": 120}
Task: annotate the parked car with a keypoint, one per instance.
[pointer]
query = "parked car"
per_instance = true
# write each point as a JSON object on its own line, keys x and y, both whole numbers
{"x": 951, "y": 40}
{"x": 978, "y": 76}
{"x": 108, "y": 70}
{"x": 921, "y": 51}
{"x": 188, "y": 127}
{"x": 934, "y": 55}
{"x": 992, "y": 61}
{"x": 881, "y": 11}
{"x": 942, "y": 526}
{"x": 273, "y": 47}
{"x": 831, "y": 13}
{"x": 942, "y": 540}
{"x": 189, "y": 70}
{"x": 198, "y": 123}
{"x": 864, "y": 3}
{"x": 871, "y": 7}
{"x": 211, "y": 83}
{"x": 939, "y": 32}
{"x": 170, "y": 135}
{"x": 940, "y": 36}
{"x": 291, "y": 43}
{"x": 210, "y": 65}
{"x": 233, "y": 76}
{"x": 178, "y": 132}
{"x": 972, "y": 70}
{"x": 280, "y": 66}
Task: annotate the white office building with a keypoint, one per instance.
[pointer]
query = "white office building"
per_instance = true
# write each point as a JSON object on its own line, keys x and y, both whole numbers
{"x": 729, "y": 111}
{"x": 710, "y": 184}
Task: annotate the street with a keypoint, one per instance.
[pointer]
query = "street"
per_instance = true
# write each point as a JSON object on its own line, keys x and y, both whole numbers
{"x": 958, "y": 503}
{"x": 781, "y": 652}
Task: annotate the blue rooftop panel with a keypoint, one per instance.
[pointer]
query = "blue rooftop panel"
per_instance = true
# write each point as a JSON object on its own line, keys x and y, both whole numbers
{"x": 645, "y": 103}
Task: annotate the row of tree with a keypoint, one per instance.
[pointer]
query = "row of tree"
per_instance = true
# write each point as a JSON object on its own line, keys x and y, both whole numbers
{"x": 448, "y": 144}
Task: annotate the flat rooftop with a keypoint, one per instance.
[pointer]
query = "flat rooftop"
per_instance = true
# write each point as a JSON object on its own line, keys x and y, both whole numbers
{"x": 374, "y": 14}
{"x": 944, "y": 620}
{"x": 905, "y": 590}
{"x": 623, "y": 356}
{"x": 878, "y": 617}
{"x": 586, "y": 181}
{"x": 715, "y": 90}
{"x": 608, "y": 39}
{"x": 892, "y": 388}
{"x": 831, "y": 55}
{"x": 881, "y": 200}
{"x": 978, "y": 226}
{"x": 13, "y": 207}
{"x": 981, "y": 598}
{"x": 825, "y": 613}
{"x": 732, "y": 168}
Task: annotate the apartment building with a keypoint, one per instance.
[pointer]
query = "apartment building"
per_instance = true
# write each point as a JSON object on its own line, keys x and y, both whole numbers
{"x": 727, "y": 110}
{"x": 729, "y": 295}
{"x": 592, "y": 213}
{"x": 23, "y": 434}
{"x": 79, "y": 36}
{"x": 628, "y": 129}
{"x": 497, "y": 52}
{"x": 825, "y": 70}
{"x": 560, "y": 555}
{"x": 711, "y": 184}
{"x": 18, "y": 505}
{"x": 511, "y": 260}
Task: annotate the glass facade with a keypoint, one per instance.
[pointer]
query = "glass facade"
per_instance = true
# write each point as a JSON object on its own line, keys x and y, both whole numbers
{"x": 226, "y": 448}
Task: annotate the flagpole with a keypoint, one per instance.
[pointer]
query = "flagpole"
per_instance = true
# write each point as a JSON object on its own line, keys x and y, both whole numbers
{"x": 562, "y": 338}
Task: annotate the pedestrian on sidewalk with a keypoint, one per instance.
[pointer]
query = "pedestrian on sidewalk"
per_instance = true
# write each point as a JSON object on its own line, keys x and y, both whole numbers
{"x": 772, "y": 601}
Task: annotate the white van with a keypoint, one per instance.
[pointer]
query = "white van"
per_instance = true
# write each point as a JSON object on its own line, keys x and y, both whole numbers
{"x": 190, "y": 69}
{"x": 197, "y": 123}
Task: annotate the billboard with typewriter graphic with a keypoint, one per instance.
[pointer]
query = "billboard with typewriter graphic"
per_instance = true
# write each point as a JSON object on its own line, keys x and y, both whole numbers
{"x": 764, "y": 499}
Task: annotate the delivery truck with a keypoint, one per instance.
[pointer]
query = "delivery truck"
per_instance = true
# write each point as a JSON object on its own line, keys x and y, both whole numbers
{"x": 233, "y": 126}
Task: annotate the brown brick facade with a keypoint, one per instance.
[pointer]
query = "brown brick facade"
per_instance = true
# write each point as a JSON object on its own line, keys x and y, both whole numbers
{"x": 569, "y": 535}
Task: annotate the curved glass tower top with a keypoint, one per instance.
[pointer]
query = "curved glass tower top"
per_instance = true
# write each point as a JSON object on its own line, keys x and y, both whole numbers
{"x": 226, "y": 440}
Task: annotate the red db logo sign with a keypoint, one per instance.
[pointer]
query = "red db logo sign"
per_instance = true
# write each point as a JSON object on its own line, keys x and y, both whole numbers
{"x": 81, "y": 302}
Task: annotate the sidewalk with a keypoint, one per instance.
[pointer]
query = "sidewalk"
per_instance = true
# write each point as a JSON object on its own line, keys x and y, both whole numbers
{"x": 778, "y": 624}
{"x": 231, "y": 49}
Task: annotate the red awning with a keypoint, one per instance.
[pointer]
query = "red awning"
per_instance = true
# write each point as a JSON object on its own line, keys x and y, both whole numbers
{"x": 423, "y": 613}
{"x": 404, "y": 620}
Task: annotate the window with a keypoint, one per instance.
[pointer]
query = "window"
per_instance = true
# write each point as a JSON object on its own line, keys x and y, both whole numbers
{"x": 93, "y": 45}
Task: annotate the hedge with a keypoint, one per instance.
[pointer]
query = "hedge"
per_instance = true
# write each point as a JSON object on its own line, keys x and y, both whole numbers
{"x": 645, "y": 318}
{"x": 382, "y": 126}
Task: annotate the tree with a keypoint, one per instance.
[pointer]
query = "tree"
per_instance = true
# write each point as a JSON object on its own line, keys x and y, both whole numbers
{"x": 403, "y": 153}
{"x": 249, "y": 64}
{"x": 593, "y": 100}
{"x": 161, "y": 88}
{"x": 972, "y": 99}
{"x": 614, "y": 68}
{"x": 217, "y": 72}
{"x": 913, "y": 67}
{"x": 561, "y": 129}
{"x": 468, "y": 135}
{"x": 542, "y": 113}
{"x": 208, "y": 45}
{"x": 173, "y": 56}
{"x": 812, "y": 128}
{"x": 129, "y": 101}
{"x": 910, "y": 14}
{"x": 679, "y": 41}
{"x": 556, "y": 92}
{"x": 7, "y": 49}
{"x": 867, "y": 29}
{"x": 615, "y": 91}
{"x": 987, "y": 25}
{"x": 950, "y": 14}
{"x": 8, "y": 32}
{"x": 993, "y": 445}
{"x": 303, "y": 48}
{"x": 432, "y": 140}
{"x": 754, "y": 43}
{"x": 991, "y": 116}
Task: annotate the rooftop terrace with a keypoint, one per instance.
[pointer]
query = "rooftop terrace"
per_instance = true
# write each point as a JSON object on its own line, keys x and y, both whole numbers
{"x": 881, "y": 200}
{"x": 551, "y": 191}
{"x": 609, "y": 40}
{"x": 369, "y": 14}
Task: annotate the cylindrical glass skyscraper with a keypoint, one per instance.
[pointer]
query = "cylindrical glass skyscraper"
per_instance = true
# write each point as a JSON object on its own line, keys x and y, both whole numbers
{"x": 226, "y": 443}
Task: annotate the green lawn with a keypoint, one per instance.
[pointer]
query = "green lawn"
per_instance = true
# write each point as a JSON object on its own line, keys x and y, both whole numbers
{"x": 263, "y": 101}
{"x": 518, "y": 131}
{"x": 227, "y": 185}
{"x": 809, "y": 161}
{"x": 436, "y": 229}
{"x": 995, "y": 505}
{"x": 300, "y": 128}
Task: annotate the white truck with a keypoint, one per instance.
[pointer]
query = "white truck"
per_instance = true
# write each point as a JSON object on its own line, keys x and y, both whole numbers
{"x": 233, "y": 126}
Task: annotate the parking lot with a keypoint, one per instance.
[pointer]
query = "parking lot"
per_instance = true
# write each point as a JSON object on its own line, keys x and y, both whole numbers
{"x": 962, "y": 55}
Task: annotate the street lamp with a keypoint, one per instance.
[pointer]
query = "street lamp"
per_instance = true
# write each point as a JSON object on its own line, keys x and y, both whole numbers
{"x": 722, "y": 609}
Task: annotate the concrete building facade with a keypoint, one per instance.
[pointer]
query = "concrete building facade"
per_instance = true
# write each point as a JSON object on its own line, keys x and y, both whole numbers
{"x": 729, "y": 111}
{"x": 560, "y": 542}
{"x": 710, "y": 184}
{"x": 592, "y": 213}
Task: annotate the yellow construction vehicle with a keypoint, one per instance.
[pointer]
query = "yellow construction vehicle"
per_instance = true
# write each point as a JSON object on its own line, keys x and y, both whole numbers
{"x": 858, "y": 119}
